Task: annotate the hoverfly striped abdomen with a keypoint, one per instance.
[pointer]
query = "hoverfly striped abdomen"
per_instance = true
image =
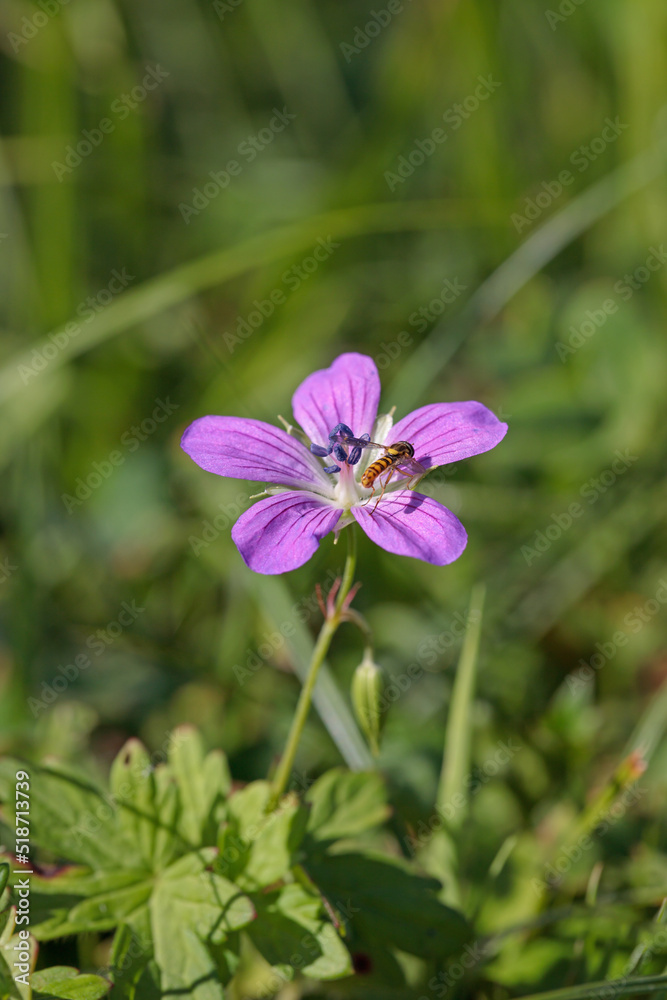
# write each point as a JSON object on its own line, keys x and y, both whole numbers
{"x": 394, "y": 454}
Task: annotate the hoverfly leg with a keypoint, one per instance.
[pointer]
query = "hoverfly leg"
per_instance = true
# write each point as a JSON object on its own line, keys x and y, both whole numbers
{"x": 368, "y": 499}
{"x": 384, "y": 487}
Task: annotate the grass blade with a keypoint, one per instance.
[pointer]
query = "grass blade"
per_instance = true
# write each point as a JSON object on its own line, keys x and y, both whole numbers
{"x": 456, "y": 762}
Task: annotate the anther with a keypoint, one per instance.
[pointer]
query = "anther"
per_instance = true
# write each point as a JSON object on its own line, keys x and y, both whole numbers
{"x": 341, "y": 430}
{"x": 332, "y": 468}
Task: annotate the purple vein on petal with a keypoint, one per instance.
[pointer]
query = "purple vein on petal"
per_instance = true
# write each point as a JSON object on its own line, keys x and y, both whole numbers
{"x": 282, "y": 532}
{"x": 253, "y": 450}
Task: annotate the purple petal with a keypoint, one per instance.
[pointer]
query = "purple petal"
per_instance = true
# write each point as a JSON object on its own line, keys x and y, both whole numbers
{"x": 251, "y": 449}
{"x": 447, "y": 432}
{"x": 282, "y": 532}
{"x": 411, "y": 524}
{"x": 348, "y": 393}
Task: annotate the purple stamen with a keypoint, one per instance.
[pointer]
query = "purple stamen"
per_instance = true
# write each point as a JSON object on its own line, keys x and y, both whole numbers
{"x": 340, "y": 437}
{"x": 341, "y": 431}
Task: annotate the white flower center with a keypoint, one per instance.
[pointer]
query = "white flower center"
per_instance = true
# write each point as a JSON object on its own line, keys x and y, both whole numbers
{"x": 347, "y": 491}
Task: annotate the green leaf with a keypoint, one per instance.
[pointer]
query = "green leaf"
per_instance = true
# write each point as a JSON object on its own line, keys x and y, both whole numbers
{"x": 203, "y": 783}
{"x": 8, "y": 987}
{"x": 9, "y": 940}
{"x": 70, "y": 816}
{"x": 128, "y": 960}
{"x": 385, "y": 901}
{"x": 346, "y": 804}
{"x": 79, "y": 900}
{"x": 246, "y": 815}
{"x": 66, "y": 983}
{"x": 4, "y": 876}
{"x": 248, "y": 808}
{"x": 257, "y": 848}
{"x": 192, "y": 905}
{"x": 148, "y": 805}
{"x": 293, "y": 933}
{"x": 271, "y": 853}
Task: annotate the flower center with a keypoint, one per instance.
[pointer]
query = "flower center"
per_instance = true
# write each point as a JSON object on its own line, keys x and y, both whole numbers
{"x": 347, "y": 491}
{"x": 346, "y": 448}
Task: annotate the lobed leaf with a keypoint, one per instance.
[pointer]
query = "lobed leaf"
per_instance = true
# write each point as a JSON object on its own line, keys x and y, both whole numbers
{"x": 203, "y": 782}
{"x": 65, "y": 983}
{"x": 71, "y": 817}
{"x": 257, "y": 848}
{"x": 385, "y": 901}
{"x": 79, "y": 900}
{"x": 148, "y": 806}
{"x": 292, "y": 933}
{"x": 346, "y": 804}
{"x": 192, "y": 910}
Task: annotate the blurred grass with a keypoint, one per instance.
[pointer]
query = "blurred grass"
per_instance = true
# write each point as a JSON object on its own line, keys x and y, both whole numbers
{"x": 163, "y": 338}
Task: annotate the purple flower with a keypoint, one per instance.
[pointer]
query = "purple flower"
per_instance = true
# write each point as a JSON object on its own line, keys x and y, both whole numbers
{"x": 337, "y": 409}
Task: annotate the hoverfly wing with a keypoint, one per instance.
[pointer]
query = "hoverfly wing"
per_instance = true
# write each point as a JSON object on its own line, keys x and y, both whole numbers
{"x": 363, "y": 443}
{"x": 355, "y": 442}
{"x": 411, "y": 466}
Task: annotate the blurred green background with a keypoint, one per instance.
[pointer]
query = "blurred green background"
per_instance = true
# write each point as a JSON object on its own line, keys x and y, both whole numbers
{"x": 505, "y": 262}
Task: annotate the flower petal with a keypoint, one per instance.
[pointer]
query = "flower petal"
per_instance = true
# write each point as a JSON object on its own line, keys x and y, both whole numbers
{"x": 251, "y": 449}
{"x": 282, "y": 532}
{"x": 348, "y": 392}
{"x": 411, "y": 524}
{"x": 447, "y": 432}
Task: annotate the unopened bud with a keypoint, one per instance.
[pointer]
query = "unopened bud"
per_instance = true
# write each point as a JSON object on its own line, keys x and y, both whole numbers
{"x": 368, "y": 686}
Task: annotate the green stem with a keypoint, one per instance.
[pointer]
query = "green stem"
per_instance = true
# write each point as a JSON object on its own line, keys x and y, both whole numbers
{"x": 327, "y": 632}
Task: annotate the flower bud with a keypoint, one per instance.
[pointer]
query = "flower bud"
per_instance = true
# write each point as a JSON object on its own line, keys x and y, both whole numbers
{"x": 368, "y": 686}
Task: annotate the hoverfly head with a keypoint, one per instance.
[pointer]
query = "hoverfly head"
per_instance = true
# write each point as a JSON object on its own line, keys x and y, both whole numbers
{"x": 403, "y": 448}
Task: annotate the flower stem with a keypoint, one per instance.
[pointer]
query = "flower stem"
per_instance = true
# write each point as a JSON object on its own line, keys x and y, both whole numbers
{"x": 327, "y": 632}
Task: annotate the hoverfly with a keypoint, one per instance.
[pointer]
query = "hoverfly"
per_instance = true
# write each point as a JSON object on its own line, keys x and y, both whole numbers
{"x": 398, "y": 458}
